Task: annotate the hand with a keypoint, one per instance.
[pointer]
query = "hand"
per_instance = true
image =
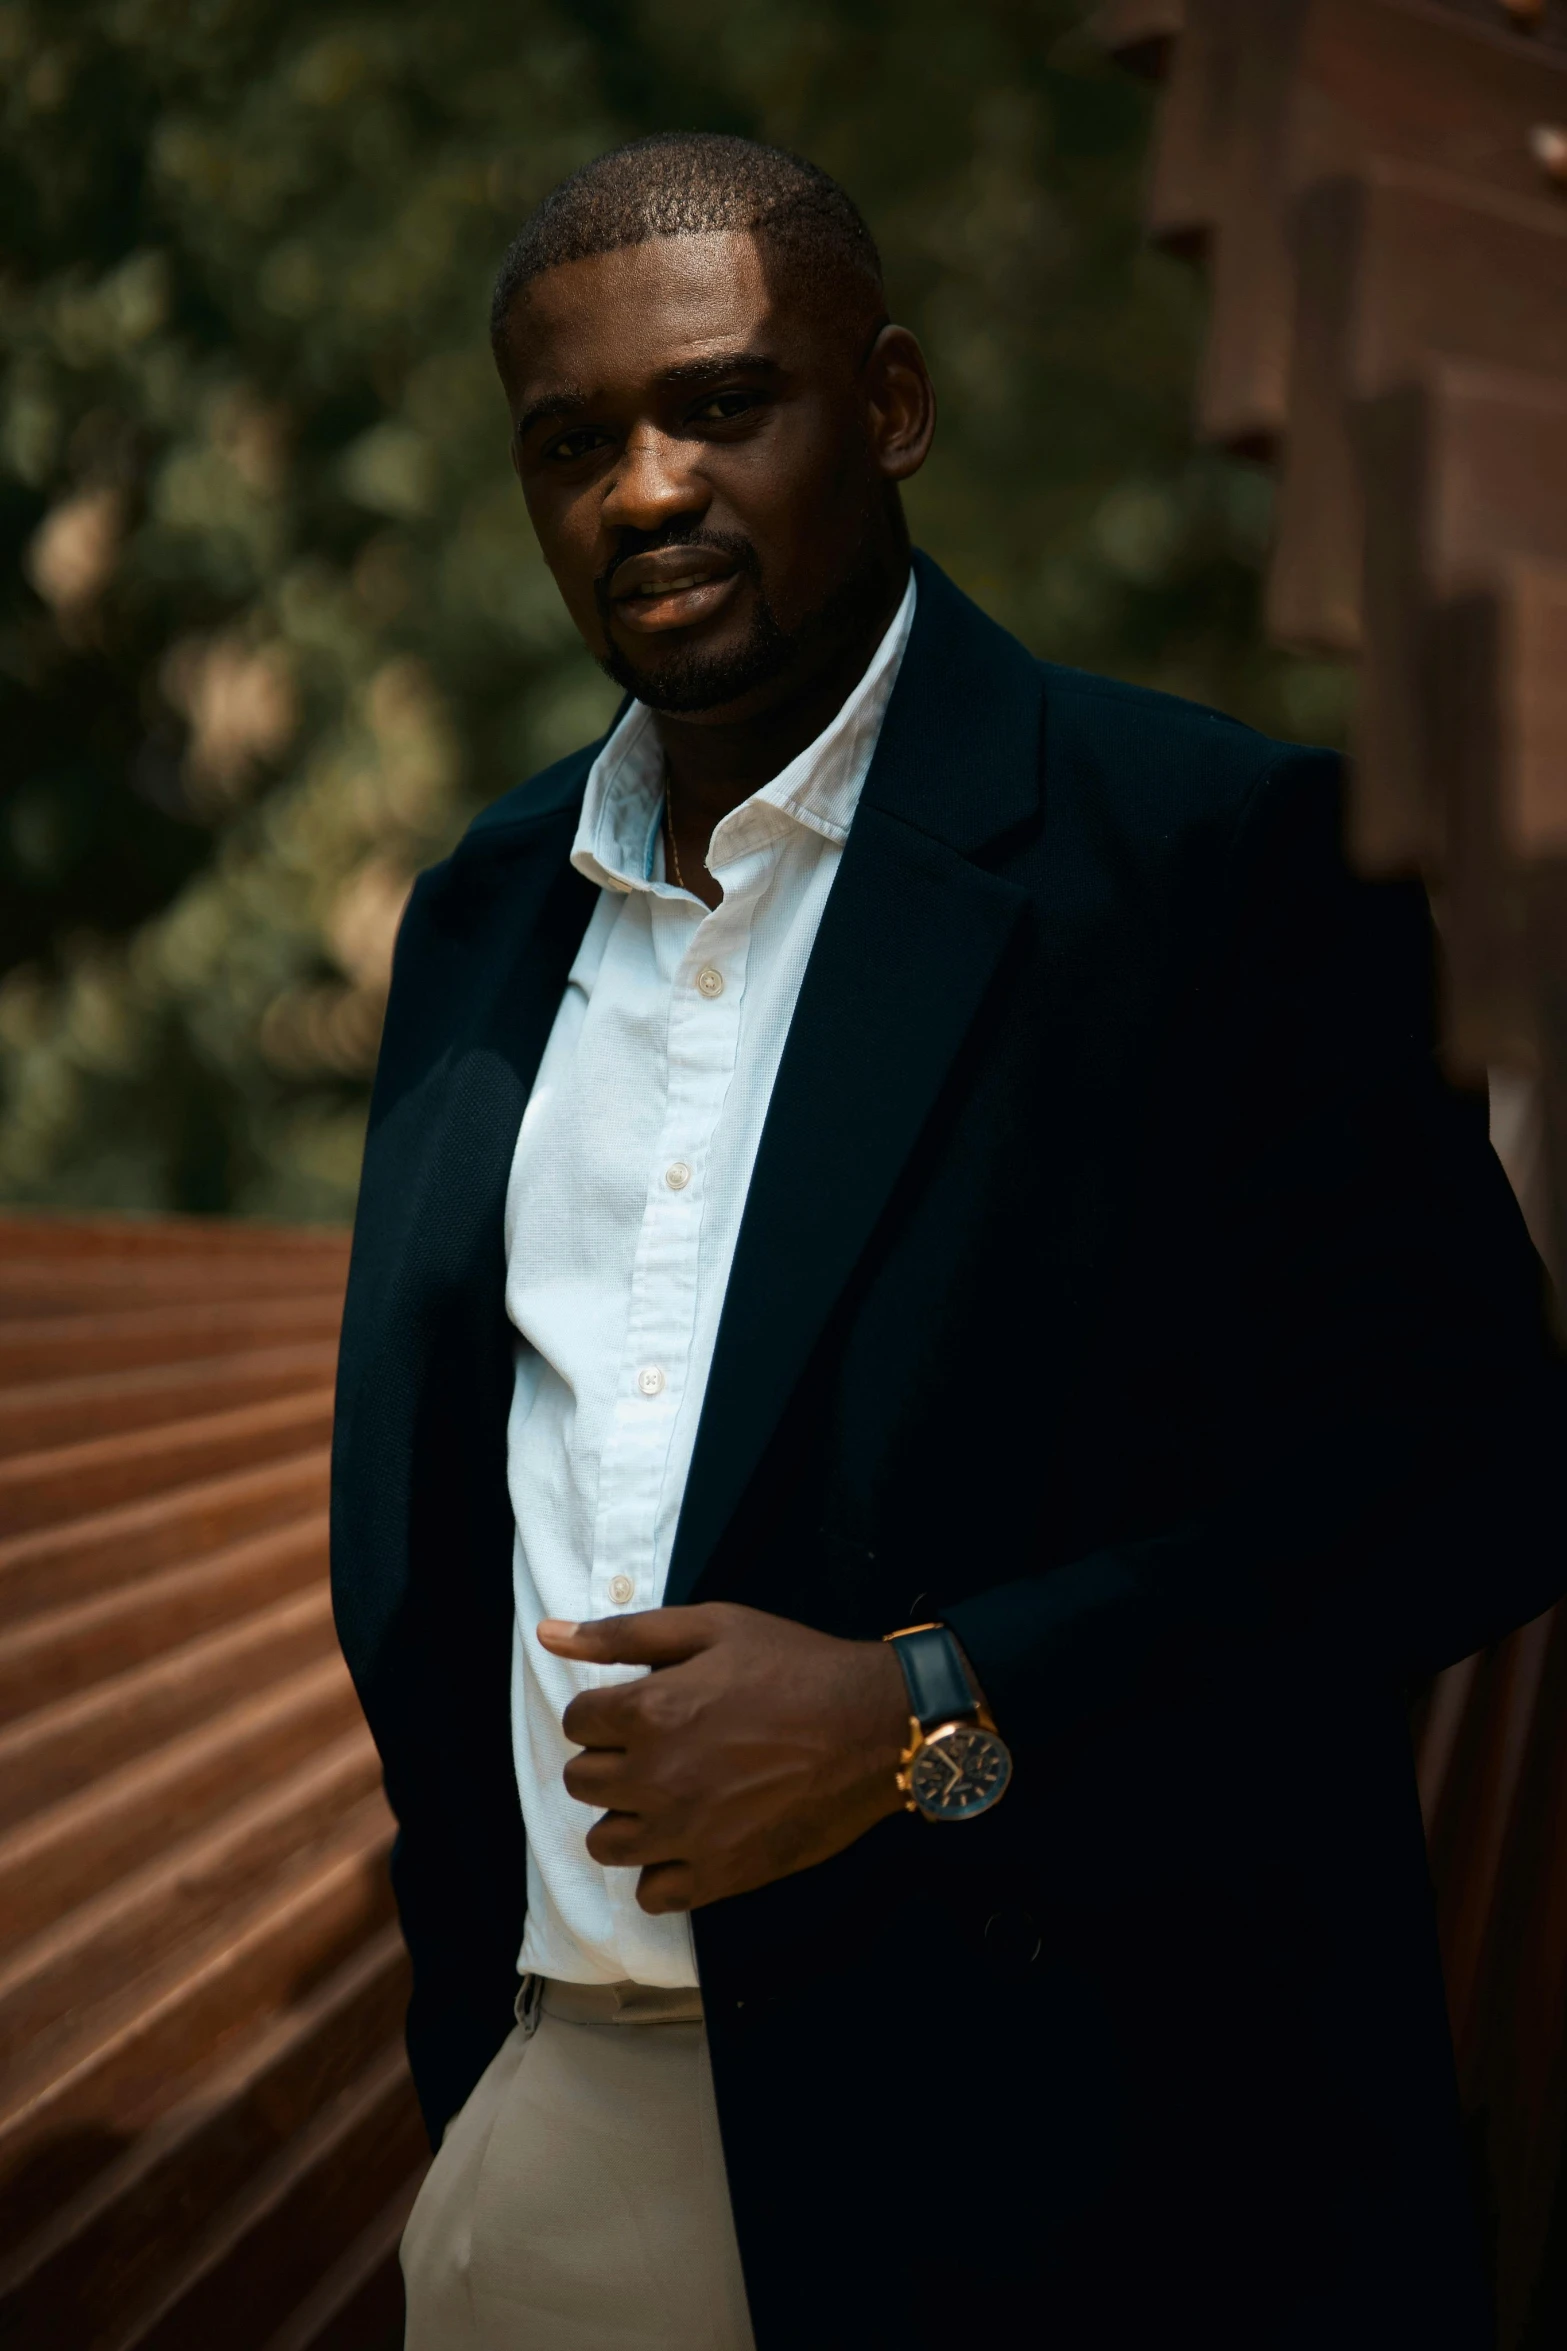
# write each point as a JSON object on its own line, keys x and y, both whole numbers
{"x": 756, "y": 1746}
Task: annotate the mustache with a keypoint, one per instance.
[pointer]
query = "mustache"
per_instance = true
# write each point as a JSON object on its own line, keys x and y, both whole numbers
{"x": 731, "y": 544}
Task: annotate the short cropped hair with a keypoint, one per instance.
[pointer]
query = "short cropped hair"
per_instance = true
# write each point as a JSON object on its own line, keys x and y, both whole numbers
{"x": 690, "y": 183}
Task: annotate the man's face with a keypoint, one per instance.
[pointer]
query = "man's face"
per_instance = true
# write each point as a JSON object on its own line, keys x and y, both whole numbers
{"x": 703, "y": 458}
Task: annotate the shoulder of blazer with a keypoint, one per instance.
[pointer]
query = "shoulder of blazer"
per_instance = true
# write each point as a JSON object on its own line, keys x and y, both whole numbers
{"x": 1162, "y": 736}
{"x": 553, "y": 793}
{"x": 983, "y": 740}
{"x": 549, "y": 793}
{"x": 1161, "y": 776}
{"x": 454, "y": 920}
{"x": 538, "y": 810}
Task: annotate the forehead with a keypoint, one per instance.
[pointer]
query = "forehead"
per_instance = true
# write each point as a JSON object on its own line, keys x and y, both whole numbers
{"x": 627, "y": 317}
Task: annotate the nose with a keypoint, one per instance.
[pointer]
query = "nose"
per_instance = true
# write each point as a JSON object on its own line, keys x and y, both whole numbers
{"x": 653, "y": 484}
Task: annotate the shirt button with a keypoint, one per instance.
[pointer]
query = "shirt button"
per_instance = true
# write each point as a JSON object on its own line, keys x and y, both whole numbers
{"x": 621, "y": 1589}
{"x": 650, "y": 1380}
{"x": 678, "y": 1176}
{"x": 709, "y": 981}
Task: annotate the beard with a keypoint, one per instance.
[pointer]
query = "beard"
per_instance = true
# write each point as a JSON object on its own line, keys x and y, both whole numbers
{"x": 692, "y": 679}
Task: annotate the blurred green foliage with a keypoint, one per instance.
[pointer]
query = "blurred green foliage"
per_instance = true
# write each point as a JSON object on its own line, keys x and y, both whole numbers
{"x": 273, "y": 623}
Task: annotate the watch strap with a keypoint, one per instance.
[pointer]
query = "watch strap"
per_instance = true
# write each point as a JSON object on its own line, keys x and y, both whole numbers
{"x": 935, "y": 1675}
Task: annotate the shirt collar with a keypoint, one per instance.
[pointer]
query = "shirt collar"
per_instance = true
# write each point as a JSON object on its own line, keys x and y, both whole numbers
{"x": 617, "y": 837}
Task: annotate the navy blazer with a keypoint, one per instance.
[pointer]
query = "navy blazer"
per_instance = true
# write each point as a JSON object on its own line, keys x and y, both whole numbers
{"x": 1120, "y": 1281}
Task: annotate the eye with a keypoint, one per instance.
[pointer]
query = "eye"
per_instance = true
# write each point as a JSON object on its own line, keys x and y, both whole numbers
{"x": 576, "y": 444}
{"x": 725, "y": 407}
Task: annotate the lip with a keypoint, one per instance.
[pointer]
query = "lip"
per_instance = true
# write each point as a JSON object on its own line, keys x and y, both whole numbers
{"x": 672, "y": 588}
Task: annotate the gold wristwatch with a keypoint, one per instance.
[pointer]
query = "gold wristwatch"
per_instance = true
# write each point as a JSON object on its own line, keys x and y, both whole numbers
{"x": 956, "y": 1765}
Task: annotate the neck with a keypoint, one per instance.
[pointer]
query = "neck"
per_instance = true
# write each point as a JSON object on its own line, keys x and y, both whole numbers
{"x": 717, "y": 763}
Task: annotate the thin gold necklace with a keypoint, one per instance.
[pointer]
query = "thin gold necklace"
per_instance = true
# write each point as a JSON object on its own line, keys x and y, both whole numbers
{"x": 669, "y": 830}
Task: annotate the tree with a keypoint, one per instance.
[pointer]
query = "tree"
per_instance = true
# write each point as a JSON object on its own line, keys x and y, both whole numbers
{"x": 274, "y": 623}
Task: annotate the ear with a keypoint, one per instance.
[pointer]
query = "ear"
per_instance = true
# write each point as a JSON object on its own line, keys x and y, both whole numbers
{"x": 901, "y": 403}
{"x": 502, "y": 353}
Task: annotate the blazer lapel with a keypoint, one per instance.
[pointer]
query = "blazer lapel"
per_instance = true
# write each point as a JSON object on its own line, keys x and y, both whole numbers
{"x": 909, "y": 946}
{"x": 492, "y": 935}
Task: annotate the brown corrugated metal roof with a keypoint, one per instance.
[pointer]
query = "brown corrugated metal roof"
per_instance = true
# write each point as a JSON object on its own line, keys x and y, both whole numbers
{"x": 207, "y": 2132}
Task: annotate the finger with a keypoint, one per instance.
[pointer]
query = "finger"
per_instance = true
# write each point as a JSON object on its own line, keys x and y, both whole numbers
{"x": 600, "y": 1718}
{"x": 665, "y": 1886}
{"x": 600, "y": 1776}
{"x": 652, "y": 1636}
{"x": 624, "y": 1840}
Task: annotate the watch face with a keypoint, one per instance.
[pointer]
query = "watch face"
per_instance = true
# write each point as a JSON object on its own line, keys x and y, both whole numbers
{"x": 961, "y": 1770}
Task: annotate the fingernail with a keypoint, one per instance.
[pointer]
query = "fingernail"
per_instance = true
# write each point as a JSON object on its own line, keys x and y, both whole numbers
{"x": 558, "y": 1626}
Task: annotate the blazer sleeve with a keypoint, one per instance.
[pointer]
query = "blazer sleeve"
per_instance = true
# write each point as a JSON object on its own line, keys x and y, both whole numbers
{"x": 1388, "y": 1337}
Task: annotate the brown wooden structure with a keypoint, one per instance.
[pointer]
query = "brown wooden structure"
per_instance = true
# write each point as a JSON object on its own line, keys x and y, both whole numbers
{"x": 207, "y": 2132}
{"x": 1378, "y": 191}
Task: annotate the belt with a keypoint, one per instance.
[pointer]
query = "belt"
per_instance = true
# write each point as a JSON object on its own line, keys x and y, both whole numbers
{"x": 624, "y": 2003}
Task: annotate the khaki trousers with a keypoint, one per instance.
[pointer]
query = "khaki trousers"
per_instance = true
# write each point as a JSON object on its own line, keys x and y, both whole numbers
{"x": 579, "y": 2202}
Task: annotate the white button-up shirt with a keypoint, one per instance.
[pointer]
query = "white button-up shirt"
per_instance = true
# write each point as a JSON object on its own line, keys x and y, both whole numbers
{"x": 626, "y": 1192}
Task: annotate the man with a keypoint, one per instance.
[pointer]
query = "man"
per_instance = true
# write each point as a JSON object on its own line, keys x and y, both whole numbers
{"x": 900, "y": 1135}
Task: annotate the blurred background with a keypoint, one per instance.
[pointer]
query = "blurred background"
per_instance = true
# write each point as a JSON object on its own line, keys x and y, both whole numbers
{"x": 273, "y": 621}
